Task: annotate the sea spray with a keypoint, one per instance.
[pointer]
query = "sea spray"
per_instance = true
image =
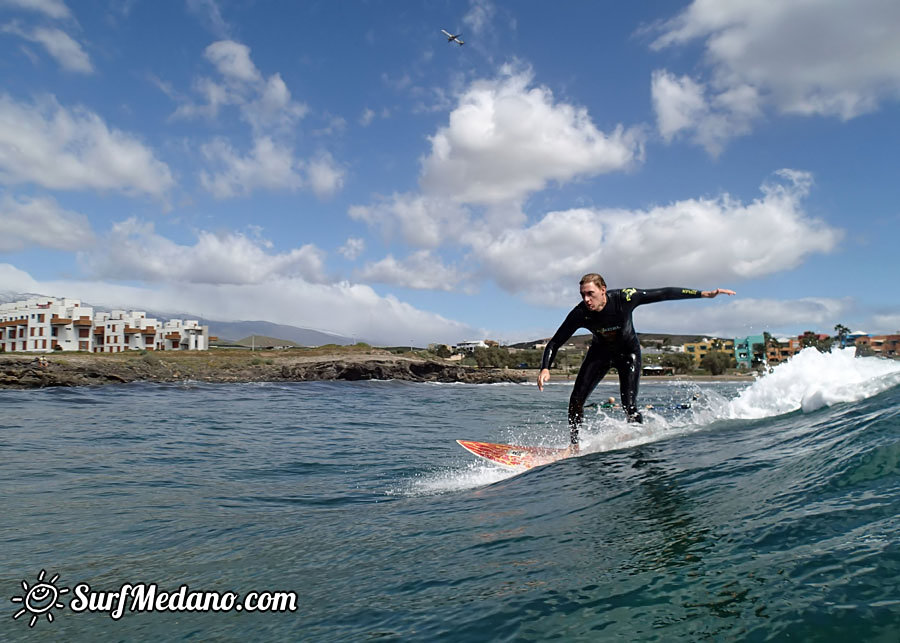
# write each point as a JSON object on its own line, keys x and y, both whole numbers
{"x": 810, "y": 380}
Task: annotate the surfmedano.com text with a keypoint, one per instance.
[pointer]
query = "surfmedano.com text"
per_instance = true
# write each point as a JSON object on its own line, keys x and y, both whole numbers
{"x": 148, "y": 598}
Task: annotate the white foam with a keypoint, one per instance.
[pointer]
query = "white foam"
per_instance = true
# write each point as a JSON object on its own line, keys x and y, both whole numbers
{"x": 473, "y": 475}
{"x": 807, "y": 381}
{"x": 810, "y": 380}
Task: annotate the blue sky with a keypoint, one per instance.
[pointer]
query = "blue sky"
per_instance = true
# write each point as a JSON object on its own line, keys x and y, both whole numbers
{"x": 341, "y": 166}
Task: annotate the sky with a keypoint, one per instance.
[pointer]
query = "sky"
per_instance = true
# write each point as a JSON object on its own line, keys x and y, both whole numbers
{"x": 341, "y": 166}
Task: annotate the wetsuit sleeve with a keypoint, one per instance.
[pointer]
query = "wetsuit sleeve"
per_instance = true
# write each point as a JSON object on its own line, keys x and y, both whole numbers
{"x": 639, "y": 297}
{"x": 572, "y": 323}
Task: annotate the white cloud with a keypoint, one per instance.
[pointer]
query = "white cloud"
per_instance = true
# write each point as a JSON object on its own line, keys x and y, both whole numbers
{"x": 691, "y": 243}
{"x": 269, "y": 166}
{"x": 73, "y": 149}
{"x": 274, "y": 108}
{"x": 479, "y": 16}
{"x": 267, "y": 106}
{"x": 264, "y": 103}
{"x": 351, "y": 310}
{"x": 232, "y": 59}
{"x": 507, "y": 139}
{"x": 352, "y": 248}
{"x": 27, "y": 222}
{"x": 682, "y": 106}
{"x": 209, "y": 11}
{"x": 822, "y": 57}
{"x": 367, "y": 117}
{"x": 738, "y": 316}
{"x": 421, "y": 270}
{"x": 134, "y": 250}
{"x": 324, "y": 176}
{"x": 56, "y": 9}
{"x": 420, "y": 220}
{"x": 60, "y": 45}
{"x": 886, "y": 323}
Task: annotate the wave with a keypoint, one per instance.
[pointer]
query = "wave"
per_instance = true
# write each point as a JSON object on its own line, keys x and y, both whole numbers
{"x": 807, "y": 382}
{"x": 810, "y": 380}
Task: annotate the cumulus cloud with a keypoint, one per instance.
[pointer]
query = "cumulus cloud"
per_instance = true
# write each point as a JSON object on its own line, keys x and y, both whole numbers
{"x": 134, "y": 250}
{"x": 60, "y": 45}
{"x": 352, "y": 310}
{"x": 367, "y": 117}
{"x": 264, "y": 103}
{"x": 29, "y": 222}
{"x": 269, "y": 166}
{"x": 56, "y": 9}
{"x": 732, "y": 317}
{"x": 267, "y": 106}
{"x": 690, "y": 242}
{"x": 682, "y": 106}
{"x": 73, "y": 149}
{"x": 826, "y": 57}
{"x": 352, "y": 248}
{"x": 886, "y": 323}
{"x": 478, "y": 17}
{"x": 324, "y": 176}
{"x": 209, "y": 12}
{"x": 421, "y": 271}
{"x": 420, "y": 220}
{"x": 506, "y": 139}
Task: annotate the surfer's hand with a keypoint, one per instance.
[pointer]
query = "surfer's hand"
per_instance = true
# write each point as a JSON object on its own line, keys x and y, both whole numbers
{"x": 717, "y": 291}
{"x": 543, "y": 378}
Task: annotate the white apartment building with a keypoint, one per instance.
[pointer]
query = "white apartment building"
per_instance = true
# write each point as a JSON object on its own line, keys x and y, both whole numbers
{"x": 44, "y": 325}
{"x": 469, "y": 347}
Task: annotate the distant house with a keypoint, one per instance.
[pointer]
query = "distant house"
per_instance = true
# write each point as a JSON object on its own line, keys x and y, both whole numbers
{"x": 469, "y": 347}
{"x": 743, "y": 349}
{"x": 699, "y": 350}
{"x": 781, "y": 349}
{"x": 47, "y": 324}
{"x": 882, "y": 345}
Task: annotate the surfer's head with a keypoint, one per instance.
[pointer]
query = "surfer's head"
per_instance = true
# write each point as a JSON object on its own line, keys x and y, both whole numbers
{"x": 593, "y": 278}
{"x": 593, "y": 291}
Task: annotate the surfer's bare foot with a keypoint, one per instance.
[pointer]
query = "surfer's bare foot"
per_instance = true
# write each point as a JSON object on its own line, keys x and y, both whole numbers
{"x": 571, "y": 450}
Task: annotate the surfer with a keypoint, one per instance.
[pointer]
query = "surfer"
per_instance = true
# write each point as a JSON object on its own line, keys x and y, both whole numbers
{"x": 607, "y": 314}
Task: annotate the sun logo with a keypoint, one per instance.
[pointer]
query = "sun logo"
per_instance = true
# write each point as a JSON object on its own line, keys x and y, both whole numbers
{"x": 40, "y": 598}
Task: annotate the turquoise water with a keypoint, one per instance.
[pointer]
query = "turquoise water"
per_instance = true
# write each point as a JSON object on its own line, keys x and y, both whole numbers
{"x": 743, "y": 518}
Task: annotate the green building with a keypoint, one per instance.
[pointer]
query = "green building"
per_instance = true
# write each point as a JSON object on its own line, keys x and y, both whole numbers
{"x": 743, "y": 350}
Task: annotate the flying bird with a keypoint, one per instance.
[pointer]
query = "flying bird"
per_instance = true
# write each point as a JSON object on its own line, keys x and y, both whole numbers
{"x": 452, "y": 38}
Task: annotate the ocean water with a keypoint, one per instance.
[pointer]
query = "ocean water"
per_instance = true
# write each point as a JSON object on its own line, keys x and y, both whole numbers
{"x": 767, "y": 511}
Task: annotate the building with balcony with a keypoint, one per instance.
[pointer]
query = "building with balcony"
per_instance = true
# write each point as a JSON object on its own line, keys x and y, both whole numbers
{"x": 43, "y": 325}
{"x": 880, "y": 345}
{"x": 699, "y": 350}
{"x": 749, "y": 350}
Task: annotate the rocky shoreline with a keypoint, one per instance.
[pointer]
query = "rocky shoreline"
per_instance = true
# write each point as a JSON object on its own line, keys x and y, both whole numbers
{"x": 21, "y": 372}
{"x": 336, "y": 363}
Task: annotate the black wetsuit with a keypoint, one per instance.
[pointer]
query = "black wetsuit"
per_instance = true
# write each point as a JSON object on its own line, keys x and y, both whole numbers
{"x": 614, "y": 343}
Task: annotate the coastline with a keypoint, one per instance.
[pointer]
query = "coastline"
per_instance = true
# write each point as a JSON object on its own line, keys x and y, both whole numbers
{"x": 25, "y": 371}
{"x": 331, "y": 363}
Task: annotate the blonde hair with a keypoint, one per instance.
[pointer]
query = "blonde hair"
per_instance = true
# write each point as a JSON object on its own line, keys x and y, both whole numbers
{"x": 594, "y": 278}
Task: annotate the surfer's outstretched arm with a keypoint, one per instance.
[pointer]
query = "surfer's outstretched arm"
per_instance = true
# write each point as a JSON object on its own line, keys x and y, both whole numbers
{"x": 717, "y": 291}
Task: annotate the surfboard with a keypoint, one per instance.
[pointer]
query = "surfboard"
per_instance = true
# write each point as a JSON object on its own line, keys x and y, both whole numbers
{"x": 513, "y": 456}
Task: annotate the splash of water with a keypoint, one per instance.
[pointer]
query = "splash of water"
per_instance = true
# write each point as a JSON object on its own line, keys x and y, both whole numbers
{"x": 810, "y": 380}
{"x": 807, "y": 381}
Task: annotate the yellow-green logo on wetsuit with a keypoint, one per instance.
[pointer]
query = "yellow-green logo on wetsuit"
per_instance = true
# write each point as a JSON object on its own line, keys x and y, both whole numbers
{"x": 687, "y": 291}
{"x": 629, "y": 292}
